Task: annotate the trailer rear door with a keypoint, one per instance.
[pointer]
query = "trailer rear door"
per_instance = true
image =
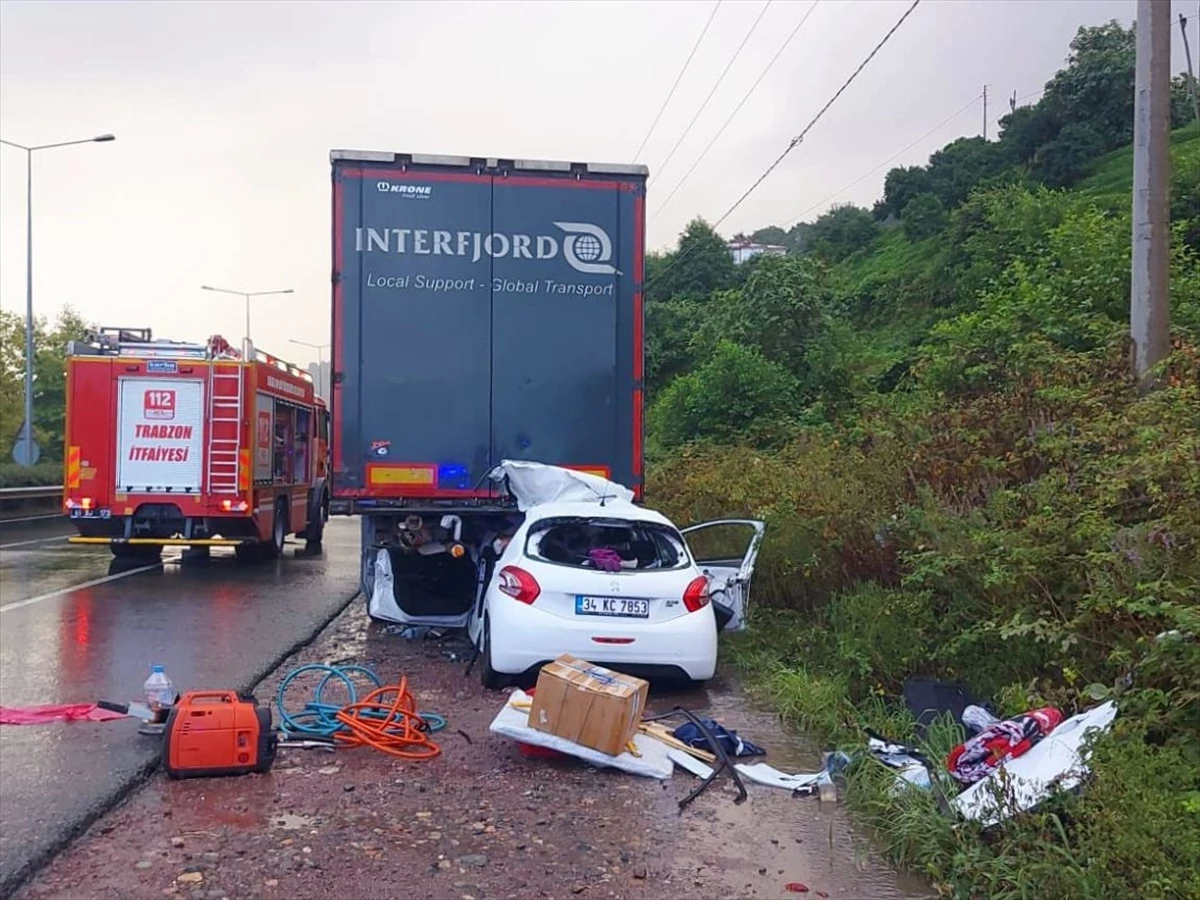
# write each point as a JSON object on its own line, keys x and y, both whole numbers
{"x": 160, "y": 435}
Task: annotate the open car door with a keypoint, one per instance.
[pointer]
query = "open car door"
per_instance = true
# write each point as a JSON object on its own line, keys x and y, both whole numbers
{"x": 726, "y": 550}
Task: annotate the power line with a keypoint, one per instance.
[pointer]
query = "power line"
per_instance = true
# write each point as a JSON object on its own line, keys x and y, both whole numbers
{"x": 795, "y": 142}
{"x": 946, "y": 121}
{"x": 720, "y": 79}
{"x": 678, "y": 78}
{"x": 736, "y": 110}
{"x": 680, "y": 256}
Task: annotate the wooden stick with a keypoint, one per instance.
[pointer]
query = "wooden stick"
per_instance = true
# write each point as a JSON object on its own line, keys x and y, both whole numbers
{"x": 661, "y": 733}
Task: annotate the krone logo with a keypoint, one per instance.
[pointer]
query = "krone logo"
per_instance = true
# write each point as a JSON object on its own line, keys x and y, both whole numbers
{"x": 406, "y": 190}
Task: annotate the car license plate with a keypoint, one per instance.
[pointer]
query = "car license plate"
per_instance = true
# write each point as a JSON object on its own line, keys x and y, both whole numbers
{"x": 77, "y": 513}
{"x": 612, "y": 606}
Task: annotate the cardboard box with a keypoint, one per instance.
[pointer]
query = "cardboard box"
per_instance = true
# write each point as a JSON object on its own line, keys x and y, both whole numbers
{"x": 588, "y": 704}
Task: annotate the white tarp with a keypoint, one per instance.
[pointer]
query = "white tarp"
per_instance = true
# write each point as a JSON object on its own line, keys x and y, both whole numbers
{"x": 535, "y": 483}
{"x": 160, "y": 434}
{"x": 382, "y": 602}
{"x": 1055, "y": 763}
{"x": 759, "y": 773}
{"x": 514, "y": 723}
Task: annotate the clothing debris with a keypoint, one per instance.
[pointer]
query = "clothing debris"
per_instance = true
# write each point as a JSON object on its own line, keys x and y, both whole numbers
{"x": 729, "y": 740}
{"x": 70, "y": 712}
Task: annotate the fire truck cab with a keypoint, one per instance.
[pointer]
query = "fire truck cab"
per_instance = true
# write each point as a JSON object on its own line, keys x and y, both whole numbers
{"x": 193, "y": 445}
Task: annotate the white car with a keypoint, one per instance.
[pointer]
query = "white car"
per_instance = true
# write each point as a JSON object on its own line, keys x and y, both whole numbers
{"x": 589, "y": 573}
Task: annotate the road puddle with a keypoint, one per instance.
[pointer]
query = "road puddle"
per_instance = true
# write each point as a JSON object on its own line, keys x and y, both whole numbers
{"x": 756, "y": 848}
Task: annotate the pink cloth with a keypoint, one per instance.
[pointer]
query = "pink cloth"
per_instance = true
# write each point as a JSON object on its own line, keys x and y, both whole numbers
{"x": 70, "y": 712}
{"x": 605, "y": 559}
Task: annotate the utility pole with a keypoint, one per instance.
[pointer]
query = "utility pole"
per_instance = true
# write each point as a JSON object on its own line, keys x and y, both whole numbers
{"x": 985, "y": 112}
{"x": 1149, "y": 322}
{"x": 1193, "y": 88}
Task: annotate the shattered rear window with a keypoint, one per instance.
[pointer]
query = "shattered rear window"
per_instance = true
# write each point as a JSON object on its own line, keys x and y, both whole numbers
{"x": 606, "y": 544}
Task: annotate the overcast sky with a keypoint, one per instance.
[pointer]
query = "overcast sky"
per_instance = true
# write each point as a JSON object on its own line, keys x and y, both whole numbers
{"x": 225, "y": 114}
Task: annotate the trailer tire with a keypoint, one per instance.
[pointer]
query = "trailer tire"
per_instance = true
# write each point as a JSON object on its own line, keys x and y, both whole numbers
{"x": 135, "y": 551}
{"x": 248, "y": 553}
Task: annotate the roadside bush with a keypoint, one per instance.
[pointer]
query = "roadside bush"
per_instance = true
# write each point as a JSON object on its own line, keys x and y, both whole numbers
{"x": 44, "y": 473}
{"x": 923, "y": 217}
{"x": 736, "y": 394}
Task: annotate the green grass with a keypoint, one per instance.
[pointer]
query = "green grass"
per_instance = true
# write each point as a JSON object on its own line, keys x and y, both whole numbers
{"x": 1111, "y": 183}
{"x": 1134, "y": 830}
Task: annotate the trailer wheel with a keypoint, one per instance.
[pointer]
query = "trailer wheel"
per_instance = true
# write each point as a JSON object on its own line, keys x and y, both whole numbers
{"x": 136, "y": 551}
{"x": 247, "y": 553}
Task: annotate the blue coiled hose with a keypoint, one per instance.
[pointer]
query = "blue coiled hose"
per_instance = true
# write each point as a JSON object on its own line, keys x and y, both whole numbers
{"x": 319, "y": 718}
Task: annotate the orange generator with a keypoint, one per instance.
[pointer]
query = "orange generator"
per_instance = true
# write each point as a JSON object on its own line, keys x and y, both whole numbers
{"x": 211, "y": 733}
{"x": 193, "y": 445}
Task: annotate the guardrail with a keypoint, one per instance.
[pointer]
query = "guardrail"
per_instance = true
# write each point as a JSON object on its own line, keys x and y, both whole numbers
{"x": 43, "y": 492}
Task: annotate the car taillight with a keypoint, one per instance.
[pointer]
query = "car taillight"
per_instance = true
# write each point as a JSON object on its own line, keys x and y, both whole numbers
{"x": 696, "y": 595}
{"x": 519, "y": 584}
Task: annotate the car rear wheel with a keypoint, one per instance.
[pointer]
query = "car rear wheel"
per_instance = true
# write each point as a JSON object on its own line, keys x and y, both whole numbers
{"x": 492, "y": 680}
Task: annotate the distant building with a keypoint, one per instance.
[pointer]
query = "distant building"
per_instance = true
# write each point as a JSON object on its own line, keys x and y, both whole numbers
{"x": 741, "y": 251}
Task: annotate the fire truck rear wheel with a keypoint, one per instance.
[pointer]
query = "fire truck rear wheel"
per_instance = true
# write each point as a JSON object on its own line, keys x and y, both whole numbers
{"x": 315, "y": 531}
{"x": 279, "y": 530}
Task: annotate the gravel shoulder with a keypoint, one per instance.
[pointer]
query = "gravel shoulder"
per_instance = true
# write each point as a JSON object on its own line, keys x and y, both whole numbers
{"x": 479, "y": 821}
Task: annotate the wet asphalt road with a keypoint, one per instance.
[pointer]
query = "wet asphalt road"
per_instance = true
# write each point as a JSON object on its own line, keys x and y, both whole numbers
{"x": 75, "y": 628}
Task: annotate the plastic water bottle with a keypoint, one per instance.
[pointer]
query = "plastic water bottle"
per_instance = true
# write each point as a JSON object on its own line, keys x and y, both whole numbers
{"x": 160, "y": 693}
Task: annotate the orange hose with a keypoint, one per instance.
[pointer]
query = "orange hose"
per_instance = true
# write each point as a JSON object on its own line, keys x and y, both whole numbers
{"x": 399, "y": 732}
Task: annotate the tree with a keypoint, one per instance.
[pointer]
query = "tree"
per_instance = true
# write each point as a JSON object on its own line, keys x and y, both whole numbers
{"x": 772, "y": 234}
{"x": 1025, "y": 129}
{"x": 50, "y": 381}
{"x": 924, "y": 216}
{"x": 671, "y": 329}
{"x": 700, "y": 265}
{"x": 1069, "y": 157}
{"x": 735, "y": 395}
{"x": 900, "y": 185}
{"x": 963, "y": 166}
{"x": 842, "y": 231}
{"x": 1096, "y": 87}
{"x": 49, "y": 378}
{"x": 12, "y": 371}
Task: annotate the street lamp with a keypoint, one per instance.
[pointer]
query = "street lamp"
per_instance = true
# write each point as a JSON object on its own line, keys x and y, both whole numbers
{"x": 320, "y": 348}
{"x": 24, "y": 455}
{"x": 247, "y": 295}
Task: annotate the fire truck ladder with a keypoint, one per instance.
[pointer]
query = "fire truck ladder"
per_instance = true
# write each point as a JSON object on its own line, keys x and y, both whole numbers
{"x": 225, "y": 435}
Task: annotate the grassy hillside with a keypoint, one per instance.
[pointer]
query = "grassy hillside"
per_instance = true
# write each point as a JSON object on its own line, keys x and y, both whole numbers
{"x": 1111, "y": 182}
{"x": 961, "y": 480}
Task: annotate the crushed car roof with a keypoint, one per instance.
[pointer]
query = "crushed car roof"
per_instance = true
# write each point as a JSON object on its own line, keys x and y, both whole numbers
{"x": 573, "y": 509}
{"x": 534, "y": 484}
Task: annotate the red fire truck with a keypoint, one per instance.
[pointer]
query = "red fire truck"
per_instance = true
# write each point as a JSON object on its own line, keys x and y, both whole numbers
{"x": 193, "y": 445}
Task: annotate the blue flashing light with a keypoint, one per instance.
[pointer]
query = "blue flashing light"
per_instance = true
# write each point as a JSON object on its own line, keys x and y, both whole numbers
{"x": 453, "y": 475}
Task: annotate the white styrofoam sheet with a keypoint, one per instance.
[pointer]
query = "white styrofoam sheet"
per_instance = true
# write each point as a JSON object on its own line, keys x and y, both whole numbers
{"x": 514, "y": 723}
